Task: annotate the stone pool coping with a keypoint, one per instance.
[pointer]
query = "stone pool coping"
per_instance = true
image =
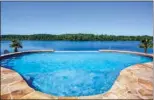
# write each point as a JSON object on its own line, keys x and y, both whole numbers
{"x": 130, "y": 52}
{"x": 24, "y": 52}
{"x": 134, "y": 82}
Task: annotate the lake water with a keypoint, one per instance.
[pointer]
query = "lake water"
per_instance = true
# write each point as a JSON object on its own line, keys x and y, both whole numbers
{"x": 76, "y": 45}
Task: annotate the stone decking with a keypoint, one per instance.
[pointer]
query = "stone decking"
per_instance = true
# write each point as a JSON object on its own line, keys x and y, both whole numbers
{"x": 134, "y": 82}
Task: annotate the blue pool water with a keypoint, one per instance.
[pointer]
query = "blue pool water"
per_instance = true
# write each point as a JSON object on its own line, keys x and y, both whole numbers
{"x": 72, "y": 73}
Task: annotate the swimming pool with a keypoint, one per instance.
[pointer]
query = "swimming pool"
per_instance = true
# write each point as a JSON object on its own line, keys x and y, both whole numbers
{"x": 72, "y": 73}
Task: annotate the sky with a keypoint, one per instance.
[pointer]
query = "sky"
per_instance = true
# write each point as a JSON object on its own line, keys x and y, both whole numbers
{"x": 112, "y": 18}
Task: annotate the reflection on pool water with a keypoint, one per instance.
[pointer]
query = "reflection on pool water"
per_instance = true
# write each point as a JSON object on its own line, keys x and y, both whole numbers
{"x": 72, "y": 73}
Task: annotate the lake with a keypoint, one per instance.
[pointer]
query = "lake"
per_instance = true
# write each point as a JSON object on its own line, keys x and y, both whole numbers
{"x": 76, "y": 45}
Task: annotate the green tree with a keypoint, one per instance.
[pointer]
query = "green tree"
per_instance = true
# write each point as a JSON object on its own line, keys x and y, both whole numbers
{"x": 15, "y": 44}
{"x": 76, "y": 37}
{"x": 146, "y": 43}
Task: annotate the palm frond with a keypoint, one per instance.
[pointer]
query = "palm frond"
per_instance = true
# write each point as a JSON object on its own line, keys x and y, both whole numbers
{"x": 142, "y": 45}
{"x": 16, "y": 44}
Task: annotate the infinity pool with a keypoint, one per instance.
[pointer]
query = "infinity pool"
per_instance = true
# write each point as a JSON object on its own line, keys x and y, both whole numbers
{"x": 72, "y": 73}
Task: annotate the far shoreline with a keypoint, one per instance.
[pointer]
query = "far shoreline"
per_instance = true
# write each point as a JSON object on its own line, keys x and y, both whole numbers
{"x": 75, "y": 37}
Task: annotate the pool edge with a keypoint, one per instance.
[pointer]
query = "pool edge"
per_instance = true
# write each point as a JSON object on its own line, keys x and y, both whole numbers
{"x": 23, "y": 52}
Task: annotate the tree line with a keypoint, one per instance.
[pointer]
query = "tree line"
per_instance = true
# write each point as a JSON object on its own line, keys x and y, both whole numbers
{"x": 76, "y": 37}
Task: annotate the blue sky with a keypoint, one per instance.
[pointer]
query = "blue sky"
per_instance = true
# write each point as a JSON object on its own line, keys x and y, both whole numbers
{"x": 117, "y": 18}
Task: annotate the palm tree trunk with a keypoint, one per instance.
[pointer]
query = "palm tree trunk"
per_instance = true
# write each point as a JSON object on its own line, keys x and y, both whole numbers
{"x": 145, "y": 50}
{"x": 15, "y": 49}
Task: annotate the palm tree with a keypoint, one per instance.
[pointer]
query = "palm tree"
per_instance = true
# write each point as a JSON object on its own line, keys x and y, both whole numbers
{"x": 146, "y": 43}
{"x": 15, "y": 44}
